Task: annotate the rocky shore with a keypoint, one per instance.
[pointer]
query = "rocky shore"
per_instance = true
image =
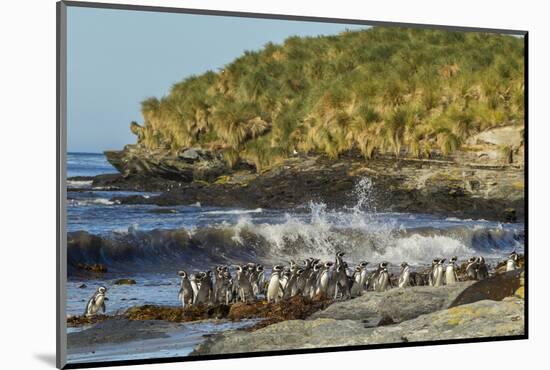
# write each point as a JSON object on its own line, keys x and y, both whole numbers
{"x": 399, "y": 316}
{"x": 493, "y": 307}
{"x": 478, "y": 182}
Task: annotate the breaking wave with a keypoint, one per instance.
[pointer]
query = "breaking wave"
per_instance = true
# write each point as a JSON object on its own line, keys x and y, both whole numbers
{"x": 360, "y": 231}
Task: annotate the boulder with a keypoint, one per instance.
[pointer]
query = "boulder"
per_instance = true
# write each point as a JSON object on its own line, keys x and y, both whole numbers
{"x": 125, "y": 282}
{"x": 190, "y": 154}
{"x": 396, "y": 305}
{"x": 476, "y": 320}
{"x": 495, "y": 288}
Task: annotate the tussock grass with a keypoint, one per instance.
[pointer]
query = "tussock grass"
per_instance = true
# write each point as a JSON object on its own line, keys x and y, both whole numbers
{"x": 393, "y": 90}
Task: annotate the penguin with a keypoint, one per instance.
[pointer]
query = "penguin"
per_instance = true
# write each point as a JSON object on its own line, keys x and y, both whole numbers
{"x": 512, "y": 262}
{"x": 218, "y": 284}
{"x": 471, "y": 268}
{"x": 185, "y": 295}
{"x": 283, "y": 280}
{"x": 438, "y": 273}
{"x": 194, "y": 281}
{"x": 339, "y": 259}
{"x": 226, "y": 290}
{"x": 290, "y": 288}
{"x": 404, "y": 276}
{"x": 243, "y": 283}
{"x": 482, "y": 269}
{"x": 274, "y": 286}
{"x": 308, "y": 276}
{"x": 96, "y": 303}
{"x": 205, "y": 293}
{"x": 298, "y": 286}
{"x": 431, "y": 274}
{"x": 357, "y": 287}
{"x": 383, "y": 278}
{"x": 260, "y": 279}
{"x": 325, "y": 280}
{"x": 311, "y": 284}
{"x": 451, "y": 277}
{"x": 364, "y": 274}
{"x": 342, "y": 281}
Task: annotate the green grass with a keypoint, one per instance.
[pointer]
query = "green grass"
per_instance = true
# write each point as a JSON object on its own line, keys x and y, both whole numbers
{"x": 391, "y": 90}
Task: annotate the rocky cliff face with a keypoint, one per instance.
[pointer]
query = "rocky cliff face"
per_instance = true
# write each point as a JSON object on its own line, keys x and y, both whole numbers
{"x": 486, "y": 181}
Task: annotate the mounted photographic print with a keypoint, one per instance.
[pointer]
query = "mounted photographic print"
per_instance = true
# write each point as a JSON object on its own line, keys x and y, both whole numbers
{"x": 235, "y": 184}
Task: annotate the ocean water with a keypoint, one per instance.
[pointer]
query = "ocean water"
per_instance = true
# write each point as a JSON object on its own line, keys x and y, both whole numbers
{"x": 264, "y": 235}
{"x": 164, "y": 240}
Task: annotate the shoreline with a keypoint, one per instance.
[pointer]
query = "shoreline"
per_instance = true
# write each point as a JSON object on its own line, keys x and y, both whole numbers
{"x": 438, "y": 187}
{"x": 492, "y": 307}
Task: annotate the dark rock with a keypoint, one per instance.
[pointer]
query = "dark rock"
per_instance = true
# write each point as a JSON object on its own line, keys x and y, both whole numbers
{"x": 495, "y": 288}
{"x": 437, "y": 187}
{"x": 125, "y": 282}
{"x": 76, "y": 321}
{"x": 96, "y": 267}
{"x": 82, "y": 286}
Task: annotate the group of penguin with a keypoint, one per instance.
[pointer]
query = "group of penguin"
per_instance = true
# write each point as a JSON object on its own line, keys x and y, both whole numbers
{"x": 329, "y": 279}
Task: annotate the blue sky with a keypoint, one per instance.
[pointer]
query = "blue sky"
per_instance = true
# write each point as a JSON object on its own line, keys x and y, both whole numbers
{"x": 117, "y": 58}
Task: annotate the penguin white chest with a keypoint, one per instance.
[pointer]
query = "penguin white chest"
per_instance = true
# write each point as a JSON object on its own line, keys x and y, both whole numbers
{"x": 273, "y": 288}
{"x": 404, "y": 279}
{"x": 450, "y": 276}
{"x": 511, "y": 265}
{"x": 99, "y": 300}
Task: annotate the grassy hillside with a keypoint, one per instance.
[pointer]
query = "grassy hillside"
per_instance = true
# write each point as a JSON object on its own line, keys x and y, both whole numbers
{"x": 405, "y": 91}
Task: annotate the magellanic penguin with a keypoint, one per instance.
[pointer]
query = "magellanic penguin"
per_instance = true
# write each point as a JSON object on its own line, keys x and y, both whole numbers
{"x": 342, "y": 281}
{"x": 96, "y": 303}
{"x": 404, "y": 276}
{"x": 356, "y": 287}
{"x": 482, "y": 269}
{"x": 325, "y": 280}
{"x": 512, "y": 262}
{"x": 194, "y": 281}
{"x": 451, "y": 276}
{"x": 339, "y": 259}
{"x": 364, "y": 274}
{"x": 274, "y": 286}
{"x": 438, "y": 273}
{"x": 227, "y": 287}
{"x": 205, "y": 293}
{"x": 299, "y": 284}
{"x": 185, "y": 295}
{"x": 284, "y": 277}
{"x": 243, "y": 283}
{"x": 260, "y": 279}
{"x": 431, "y": 275}
{"x": 383, "y": 278}
{"x": 311, "y": 284}
{"x": 218, "y": 285}
{"x": 471, "y": 268}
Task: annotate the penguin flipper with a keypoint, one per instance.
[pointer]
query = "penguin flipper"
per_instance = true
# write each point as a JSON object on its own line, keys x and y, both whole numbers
{"x": 103, "y": 306}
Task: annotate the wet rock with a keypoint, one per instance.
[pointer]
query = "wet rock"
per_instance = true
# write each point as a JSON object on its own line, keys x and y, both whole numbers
{"x": 297, "y": 307}
{"x": 445, "y": 187}
{"x": 95, "y": 267}
{"x": 495, "y": 288}
{"x": 177, "y": 314}
{"x": 125, "y": 282}
{"x": 117, "y": 331}
{"x": 82, "y": 320}
{"x": 476, "y": 320}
